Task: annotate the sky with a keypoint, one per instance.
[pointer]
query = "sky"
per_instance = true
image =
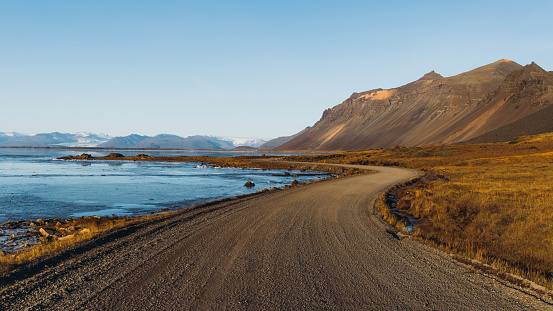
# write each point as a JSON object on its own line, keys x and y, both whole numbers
{"x": 239, "y": 68}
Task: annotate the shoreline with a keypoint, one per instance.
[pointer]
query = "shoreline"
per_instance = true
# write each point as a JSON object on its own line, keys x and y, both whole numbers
{"x": 20, "y": 235}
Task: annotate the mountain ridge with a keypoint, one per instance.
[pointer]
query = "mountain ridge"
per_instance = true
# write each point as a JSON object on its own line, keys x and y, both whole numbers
{"x": 169, "y": 141}
{"x": 432, "y": 110}
{"x": 53, "y": 139}
{"x": 91, "y": 140}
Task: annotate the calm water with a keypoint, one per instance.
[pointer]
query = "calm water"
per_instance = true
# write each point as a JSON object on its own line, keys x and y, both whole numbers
{"x": 33, "y": 185}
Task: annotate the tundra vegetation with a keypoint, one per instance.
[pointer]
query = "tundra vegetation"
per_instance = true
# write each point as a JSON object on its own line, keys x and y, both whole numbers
{"x": 490, "y": 202}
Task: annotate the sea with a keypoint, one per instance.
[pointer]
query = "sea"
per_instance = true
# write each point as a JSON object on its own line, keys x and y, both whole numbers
{"x": 33, "y": 184}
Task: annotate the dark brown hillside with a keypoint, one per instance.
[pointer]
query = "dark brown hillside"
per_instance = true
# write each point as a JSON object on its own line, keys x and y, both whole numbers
{"x": 432, "y": 110}
{"x": 524, "y": 92}
{"x": 537, "y": 123}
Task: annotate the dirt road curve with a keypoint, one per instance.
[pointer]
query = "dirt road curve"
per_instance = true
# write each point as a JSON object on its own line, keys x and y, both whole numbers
{"x": 313, "y": 247}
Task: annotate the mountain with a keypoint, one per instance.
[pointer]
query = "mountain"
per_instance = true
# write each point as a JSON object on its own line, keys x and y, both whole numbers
{"x": 84, "y": 139}
{"x": 54, "y": 139}
{"x": 531, "y": 85}
{"x": 167, "y": 141}
{"x": 191, "y": 142}
{"x": 276, "y": 142}
{"x": 244, "y": 142}
{"x": 432, "y": 110}
{"x": 5, "y": 136}
{"x": 123, "y": 142}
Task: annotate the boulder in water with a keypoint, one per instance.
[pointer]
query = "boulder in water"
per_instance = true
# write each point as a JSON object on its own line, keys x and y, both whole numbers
{"x": 249, "y": 184}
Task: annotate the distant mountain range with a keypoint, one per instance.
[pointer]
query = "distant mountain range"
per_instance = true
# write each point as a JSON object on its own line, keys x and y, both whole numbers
{"x": 165, "y": 141}
{"x": 55, "y": 139}
{"x": 496, "y": 102}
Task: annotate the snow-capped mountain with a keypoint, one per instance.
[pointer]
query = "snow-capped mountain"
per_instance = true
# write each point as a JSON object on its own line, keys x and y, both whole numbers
{"x": 55, "y": 139}
{"x": 4, "y": 136}
{"x": 86, "y": 139}
{"x": 243, "y": 141}
{"x": 167, "y": 141}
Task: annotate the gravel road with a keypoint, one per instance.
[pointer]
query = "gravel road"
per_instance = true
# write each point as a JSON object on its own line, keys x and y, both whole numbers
{"x": 317, "y": 246}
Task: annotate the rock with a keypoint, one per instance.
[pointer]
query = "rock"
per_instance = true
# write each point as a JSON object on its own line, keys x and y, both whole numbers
{"x": 115, "y": 155}
{"x": 70, "y": 229}
{"x": 84, "y": 156}
{"x": 32, "y": 233}
{"x": 12, "y": 237}
{"x": 40, "y": 221}
{"x": 67, "y": 237}
{"x": 295, "y": 183}
{"x": 32, "y": 224}
{"x": 47, "y": 232}
{"x": 85, "y": 231}
{"x": 249, "y": 184}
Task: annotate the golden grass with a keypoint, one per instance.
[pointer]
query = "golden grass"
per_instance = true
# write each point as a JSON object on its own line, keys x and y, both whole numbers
{"x": 491, "y": 202}
{"x": 89, "y": 227}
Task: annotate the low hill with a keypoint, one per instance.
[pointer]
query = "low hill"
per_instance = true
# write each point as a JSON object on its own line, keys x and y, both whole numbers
{"x": 277, "y": 142}
{"x": 123, "y": 141}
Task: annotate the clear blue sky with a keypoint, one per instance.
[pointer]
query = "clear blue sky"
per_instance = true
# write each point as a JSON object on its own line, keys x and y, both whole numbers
{"x": 239, "y": 68}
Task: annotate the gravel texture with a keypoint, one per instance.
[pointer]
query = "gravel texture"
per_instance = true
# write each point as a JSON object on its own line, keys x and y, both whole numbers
{"x": 317, "y": 246}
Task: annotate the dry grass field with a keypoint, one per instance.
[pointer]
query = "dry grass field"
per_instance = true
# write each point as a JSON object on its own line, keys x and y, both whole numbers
{"x": 491, "y": 202}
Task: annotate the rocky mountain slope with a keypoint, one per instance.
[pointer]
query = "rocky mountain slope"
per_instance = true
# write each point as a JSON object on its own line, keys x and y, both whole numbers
{"x": 537, "y": 123}
{"x": 432, "y": 110}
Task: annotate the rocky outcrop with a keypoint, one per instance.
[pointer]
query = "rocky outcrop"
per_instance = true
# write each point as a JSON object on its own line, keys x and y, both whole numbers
{"x": 432, "y": 110}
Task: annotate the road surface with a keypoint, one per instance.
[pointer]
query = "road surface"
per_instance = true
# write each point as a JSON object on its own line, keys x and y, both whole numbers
{"x": 313, "y": 247}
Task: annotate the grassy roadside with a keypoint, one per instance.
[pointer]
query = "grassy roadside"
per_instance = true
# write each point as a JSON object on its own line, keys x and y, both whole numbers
{"x": 64, "y": 235}
{"x": 491, "y": 202}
